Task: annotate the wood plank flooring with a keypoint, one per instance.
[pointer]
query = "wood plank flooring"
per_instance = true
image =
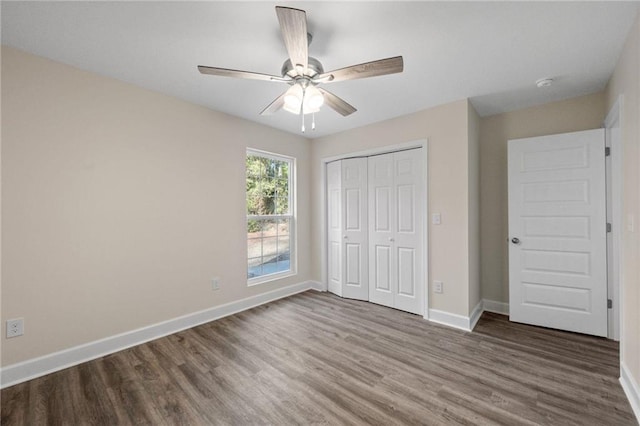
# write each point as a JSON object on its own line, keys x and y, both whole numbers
{"x": 318, "y": 359}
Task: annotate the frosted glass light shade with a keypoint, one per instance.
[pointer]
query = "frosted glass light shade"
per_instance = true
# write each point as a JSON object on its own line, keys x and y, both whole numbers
{"x": 313, "y": 99}
{"x": 293, "y": 98}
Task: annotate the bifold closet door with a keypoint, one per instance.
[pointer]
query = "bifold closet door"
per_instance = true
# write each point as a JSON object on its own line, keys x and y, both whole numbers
{"x": 396, "y": 264}
{"x": 347, "y": 228}
{"x": 354, "y": 228}
{"x": 334, "y": 227}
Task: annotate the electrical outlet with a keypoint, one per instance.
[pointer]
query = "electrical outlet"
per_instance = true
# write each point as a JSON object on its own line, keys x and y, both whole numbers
{"x": 437, "y": 287}
{"x": 215, "y": 283}
{"x": 15, "y": 327}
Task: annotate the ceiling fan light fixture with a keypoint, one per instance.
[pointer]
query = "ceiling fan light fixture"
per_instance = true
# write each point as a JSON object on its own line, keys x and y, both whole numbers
{"x": 293, "y": 99}
{"x": 303, "y": 72}
{"x": 313, "y": 99}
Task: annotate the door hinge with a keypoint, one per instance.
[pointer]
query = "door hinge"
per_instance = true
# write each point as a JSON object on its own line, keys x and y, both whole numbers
{"x": 608, "y": 227}
{"x": 609, "y": 304}
{"x": 607, "y": 151}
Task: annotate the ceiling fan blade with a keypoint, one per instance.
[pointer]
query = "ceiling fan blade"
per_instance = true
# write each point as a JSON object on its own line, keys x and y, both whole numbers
{"x": 368, "y": 69}
{"x": 274, "y": 106}
{"x": 339, "y": 105}
{"x": 293, "y": 24}
{"x": 224, "y": 72}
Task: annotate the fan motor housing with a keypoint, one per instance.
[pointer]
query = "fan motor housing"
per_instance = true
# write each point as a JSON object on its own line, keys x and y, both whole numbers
{"x": 314, "y": 68}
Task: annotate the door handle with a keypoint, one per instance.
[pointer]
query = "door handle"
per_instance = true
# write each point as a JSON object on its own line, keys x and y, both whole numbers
{"x": 391, "y": 239}
{"x": 345, "y": 237}
{"x": 515, "y": 240}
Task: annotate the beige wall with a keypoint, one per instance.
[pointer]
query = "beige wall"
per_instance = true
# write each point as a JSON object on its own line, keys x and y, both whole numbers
{"x": 586, "y": 112}
{"x": 625, "y": 82}
{"x": 120, "y": 205}
{"x": 473, "y": 125}
{"x": 448, "y": 181}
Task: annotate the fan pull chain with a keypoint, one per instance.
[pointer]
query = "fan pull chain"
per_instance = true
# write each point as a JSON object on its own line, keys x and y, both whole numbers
{"x": 304, "y": 92}
{"x": 313, "y": 121}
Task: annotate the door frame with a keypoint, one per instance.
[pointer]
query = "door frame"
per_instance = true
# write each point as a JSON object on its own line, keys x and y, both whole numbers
{"x": 420, "y": 143}
{"x": 614, "y": 216}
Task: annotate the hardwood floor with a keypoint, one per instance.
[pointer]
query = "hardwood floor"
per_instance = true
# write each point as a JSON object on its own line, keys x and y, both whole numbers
{"x": 317, "y": 359}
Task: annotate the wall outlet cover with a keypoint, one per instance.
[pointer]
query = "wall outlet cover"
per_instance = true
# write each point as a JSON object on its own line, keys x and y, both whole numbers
{"x": 15, "y": 327}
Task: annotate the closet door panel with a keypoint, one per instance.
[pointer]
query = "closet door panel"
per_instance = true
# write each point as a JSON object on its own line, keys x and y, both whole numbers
{"x": 381, "y": 269}
{"x": 355, "y": 231}
{"x": 408, "y": 235}
{"x": 382, "y": 275}
{"x": 381, "y": 221}
{"x": 406, "y": 209}
{"x": 334, "y": 227}
{"x": 406, "y": 271}
{"x": 353, "y": 264}
{"x": 353, "y": 209}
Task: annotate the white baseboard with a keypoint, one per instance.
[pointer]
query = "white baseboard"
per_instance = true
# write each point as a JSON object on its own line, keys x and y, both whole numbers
{"x": 467, "y": 323}
{"x": 475, "y": 315}
{"x": 36, "y": 367}
{"x": 452, "y": 320}
{"x": 631, "y": 389}
{"x": 318, "y": 286}
{"x": 496, "y": 307}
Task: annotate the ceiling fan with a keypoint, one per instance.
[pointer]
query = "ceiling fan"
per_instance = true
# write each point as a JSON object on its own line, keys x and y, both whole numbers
{"x": 304, "y": 73}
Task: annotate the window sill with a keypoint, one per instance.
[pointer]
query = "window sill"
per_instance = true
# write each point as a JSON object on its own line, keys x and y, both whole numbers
{"x": 268, "y": 278}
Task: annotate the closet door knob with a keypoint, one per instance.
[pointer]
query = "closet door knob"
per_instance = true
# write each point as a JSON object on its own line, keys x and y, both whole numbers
{"x": 345, "y": 237}
{"x": 515, "y": 240}
{"x": 391, "y": 239}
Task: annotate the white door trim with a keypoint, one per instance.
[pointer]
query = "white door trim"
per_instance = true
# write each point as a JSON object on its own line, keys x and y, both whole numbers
{"x": 614, "y": 216}
{"x": 420, "y": 143}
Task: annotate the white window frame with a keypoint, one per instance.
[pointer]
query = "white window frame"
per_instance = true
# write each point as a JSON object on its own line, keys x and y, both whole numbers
{"x": 291, "y": 216}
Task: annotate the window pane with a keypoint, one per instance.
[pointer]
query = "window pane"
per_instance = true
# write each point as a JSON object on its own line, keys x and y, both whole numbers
{"x": 281, "y": 187}
{"x": 254, "y": 247}
{"x": 269, "y": 227}
{"x": 283, "y": 171}
{"x": 283, "y": 265}
{"x": 267, "y": 194}
{"x": 283, "y": 226}
{"x": 269, "y": 249}
{"x": 254, "y": 228}
{"x": 283, "y": 246}
{"x": 266, "y": 206}
{"x": 254, "y": 166}
{"x": 253, "y": 204}
{"x": 282, "y": 205}
{"x": 254, "y": 268}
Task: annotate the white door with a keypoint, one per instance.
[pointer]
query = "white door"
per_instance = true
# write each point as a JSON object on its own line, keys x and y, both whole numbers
{"x": 354, "y": 229}
{"x": 334, "y": 225}
{"x": 557, "y": 232}
{"x": 395, "y": 231}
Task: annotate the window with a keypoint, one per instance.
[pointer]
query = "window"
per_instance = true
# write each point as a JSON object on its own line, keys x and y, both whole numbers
{"x": 270, "y": 220}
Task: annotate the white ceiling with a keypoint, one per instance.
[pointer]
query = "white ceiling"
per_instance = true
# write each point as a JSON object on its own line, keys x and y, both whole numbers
{"x": 491, "y": 52}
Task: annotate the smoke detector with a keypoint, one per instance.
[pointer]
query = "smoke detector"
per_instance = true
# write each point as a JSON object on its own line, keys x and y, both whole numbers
{"x": 544, "y": 82}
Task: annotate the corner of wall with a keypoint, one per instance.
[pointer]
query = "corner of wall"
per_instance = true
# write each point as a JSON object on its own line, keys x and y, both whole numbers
{"x": 625, "y": 82}
{"x": 473, "y": 135}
